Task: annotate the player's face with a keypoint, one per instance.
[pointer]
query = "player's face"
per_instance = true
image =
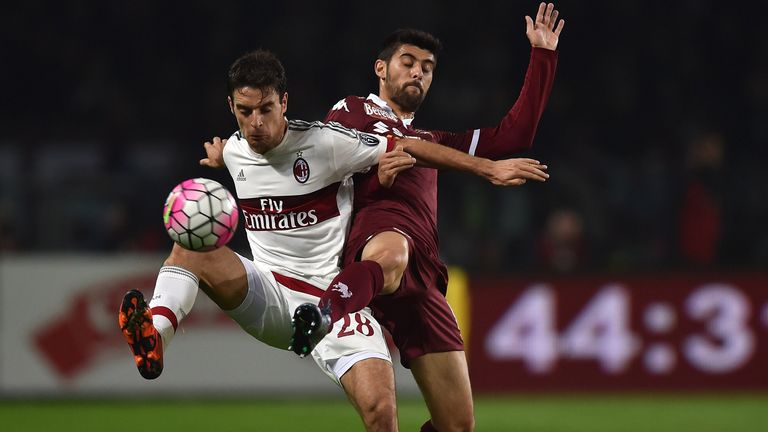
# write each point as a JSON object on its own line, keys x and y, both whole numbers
{"x": 407, "y": 76}
{"x": 260, "y": 116}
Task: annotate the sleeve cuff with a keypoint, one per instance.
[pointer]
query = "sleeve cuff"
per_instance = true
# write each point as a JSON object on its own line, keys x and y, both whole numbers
{"x": 391, "y": 140}
{"x": 543, "y": 52}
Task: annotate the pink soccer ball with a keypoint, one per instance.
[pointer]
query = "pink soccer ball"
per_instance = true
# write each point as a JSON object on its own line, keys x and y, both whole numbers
{"x": 200, "y": 215}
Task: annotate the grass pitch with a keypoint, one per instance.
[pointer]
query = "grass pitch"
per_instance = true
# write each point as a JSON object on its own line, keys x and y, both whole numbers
{"x": 626, "y": 413}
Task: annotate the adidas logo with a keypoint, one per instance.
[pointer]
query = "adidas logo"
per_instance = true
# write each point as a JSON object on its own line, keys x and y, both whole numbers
{"x": 240, "y": 176}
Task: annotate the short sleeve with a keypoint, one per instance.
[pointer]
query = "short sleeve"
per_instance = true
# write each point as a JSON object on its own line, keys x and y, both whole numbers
{"x": 353, "y": 151}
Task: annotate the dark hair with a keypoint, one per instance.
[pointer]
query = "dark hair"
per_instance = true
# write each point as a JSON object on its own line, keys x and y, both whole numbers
{"x": 415, "y": 37}
{"x": 258, "y": 69}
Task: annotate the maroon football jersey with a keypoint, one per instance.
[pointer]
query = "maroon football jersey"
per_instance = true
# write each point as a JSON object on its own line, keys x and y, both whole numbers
{"x": 411, "y": 203}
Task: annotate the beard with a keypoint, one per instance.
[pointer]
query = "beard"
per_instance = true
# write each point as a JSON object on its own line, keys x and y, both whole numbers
{"x": 408, "y": 101}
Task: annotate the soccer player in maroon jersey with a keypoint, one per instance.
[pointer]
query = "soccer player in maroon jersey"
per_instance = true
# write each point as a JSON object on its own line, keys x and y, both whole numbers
{"x": 391, "y": 258}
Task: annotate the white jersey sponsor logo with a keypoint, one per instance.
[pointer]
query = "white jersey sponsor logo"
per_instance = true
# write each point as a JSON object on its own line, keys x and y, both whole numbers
{"x": 379, "y": 112}
{"x": 274, "y": 222}
{"x": 286, "y": 213}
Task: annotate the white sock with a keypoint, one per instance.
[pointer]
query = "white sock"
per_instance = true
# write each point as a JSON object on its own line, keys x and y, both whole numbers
{"x": 174, "y": 296}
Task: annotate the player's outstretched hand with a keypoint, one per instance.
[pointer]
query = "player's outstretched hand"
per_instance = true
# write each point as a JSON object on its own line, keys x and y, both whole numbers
{"x": 515, "y": 172}
{"x": 215, "y": 152}
{"x": 543, "y": 33}
{"x": 391, "y": 163}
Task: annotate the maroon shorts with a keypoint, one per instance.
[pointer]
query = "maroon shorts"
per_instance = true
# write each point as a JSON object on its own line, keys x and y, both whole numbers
{"x": 417, "y": 315}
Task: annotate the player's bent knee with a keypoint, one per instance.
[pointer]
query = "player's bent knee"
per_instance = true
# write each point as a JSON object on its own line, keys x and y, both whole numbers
{"x": 186, "y": 259}
{"x": 199, "y": 263}
{"x": 393, "y": 265}
{"x": 390, "y": 251}
{"x": 370, "y": 385}
{"x": 222, "y": 276}
{"x": 379, "y": 415}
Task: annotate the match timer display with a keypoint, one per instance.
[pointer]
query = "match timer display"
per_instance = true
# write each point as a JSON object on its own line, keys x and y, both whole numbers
{"x": 677, "y": 332}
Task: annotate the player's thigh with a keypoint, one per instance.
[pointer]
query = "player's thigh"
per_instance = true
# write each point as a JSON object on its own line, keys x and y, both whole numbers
{"x": 443, "y": 378}
{"x": 221, "y": 272}
{"x": 265, "y": 312}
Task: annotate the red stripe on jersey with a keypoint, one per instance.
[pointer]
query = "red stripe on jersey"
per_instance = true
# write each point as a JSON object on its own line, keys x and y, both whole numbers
{"x": 289, "y": 212}
{"x": 298, "y": 285}
{"x": 391, "y": 140}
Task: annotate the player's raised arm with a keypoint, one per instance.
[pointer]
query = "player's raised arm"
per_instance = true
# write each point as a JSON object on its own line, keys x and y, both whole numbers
{"x": 516, "y": 130}
{"x": 214, "y": 151}
{"x": 508, "y": 172}
{"x": 544, "y": 33}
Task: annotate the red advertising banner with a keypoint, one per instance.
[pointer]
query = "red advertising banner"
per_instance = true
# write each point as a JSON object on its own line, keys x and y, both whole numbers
{"x": 661, "y": 332}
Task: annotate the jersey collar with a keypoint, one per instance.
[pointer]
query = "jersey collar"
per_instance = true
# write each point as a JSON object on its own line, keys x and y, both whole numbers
{"x": 383, "y": 104}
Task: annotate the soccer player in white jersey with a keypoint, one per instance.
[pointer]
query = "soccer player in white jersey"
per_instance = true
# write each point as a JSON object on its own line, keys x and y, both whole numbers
{"x": 293, "y": 180}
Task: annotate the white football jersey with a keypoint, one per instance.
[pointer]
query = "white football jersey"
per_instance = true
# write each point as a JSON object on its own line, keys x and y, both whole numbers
{"x": 296, "y": 199}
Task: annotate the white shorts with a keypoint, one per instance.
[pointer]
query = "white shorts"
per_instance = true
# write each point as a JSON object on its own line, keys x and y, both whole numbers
{"x": 266, "y": 315}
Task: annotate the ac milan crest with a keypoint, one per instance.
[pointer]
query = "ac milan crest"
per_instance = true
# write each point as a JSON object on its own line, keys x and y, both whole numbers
{"x": 300, "y": 169}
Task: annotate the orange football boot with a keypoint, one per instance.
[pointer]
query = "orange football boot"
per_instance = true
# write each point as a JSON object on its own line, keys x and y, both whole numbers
{"x": 135, "y": 319}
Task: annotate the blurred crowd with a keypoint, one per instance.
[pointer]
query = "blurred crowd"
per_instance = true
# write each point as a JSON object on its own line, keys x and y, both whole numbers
{"x": 655, "y": 133}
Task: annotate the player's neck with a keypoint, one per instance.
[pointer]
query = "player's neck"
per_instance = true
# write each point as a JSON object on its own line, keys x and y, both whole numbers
{"x": 282, "y": 135}
{"x": 403, "y": 114}
{"x": 285, "y": 129}
{"x": 398, "y": 110}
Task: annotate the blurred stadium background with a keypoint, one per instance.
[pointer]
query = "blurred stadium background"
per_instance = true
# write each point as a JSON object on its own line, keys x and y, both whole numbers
{"x": 626, "y": 293}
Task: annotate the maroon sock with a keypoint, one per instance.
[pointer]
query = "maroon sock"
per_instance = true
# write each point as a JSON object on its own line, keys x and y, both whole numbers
{"x": 428, "y": 427}
{"x": 352, "y": 289}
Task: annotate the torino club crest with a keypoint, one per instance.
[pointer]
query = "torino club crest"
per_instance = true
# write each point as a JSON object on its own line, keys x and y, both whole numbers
{"x": 300, "y": 169}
